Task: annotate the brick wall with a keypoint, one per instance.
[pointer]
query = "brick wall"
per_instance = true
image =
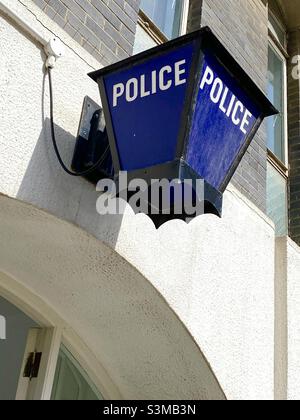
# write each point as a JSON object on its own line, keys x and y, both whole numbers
{"x": 242, "y": 25}
{"x": 294, "y": 138}
{"x": 194, "y": 16}
{"x": 105, "y": 28}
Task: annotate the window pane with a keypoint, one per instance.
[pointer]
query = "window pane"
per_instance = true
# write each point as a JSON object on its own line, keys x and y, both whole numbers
{"x": 143, "y": 41}
{"x": 71, "y": 382}
{"x": 277, "y": 200}
{"x": 12, "y": 349}
{"x": 275, "y": 124}
{"x": 277, "y": 30}
{"x": 165, "y": 14}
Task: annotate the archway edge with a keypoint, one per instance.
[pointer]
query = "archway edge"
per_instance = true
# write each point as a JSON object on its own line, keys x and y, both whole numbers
{"x": 39, "y": 311}
{"x": 67, "y": 277}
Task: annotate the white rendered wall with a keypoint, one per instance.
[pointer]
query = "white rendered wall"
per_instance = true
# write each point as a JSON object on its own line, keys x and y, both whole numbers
{"x": 217, "y": 275}
{"x": 287, "y": 320}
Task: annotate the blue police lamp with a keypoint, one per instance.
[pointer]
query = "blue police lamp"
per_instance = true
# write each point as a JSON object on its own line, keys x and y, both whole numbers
{"x": 185, "y": 109}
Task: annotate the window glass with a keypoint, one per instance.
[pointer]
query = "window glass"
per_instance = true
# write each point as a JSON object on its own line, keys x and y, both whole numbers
{"x": 277, "y": 200}
{"x": 143, "y": 41}
{"x": 277, "y": 30}
{"x": 12, "y": 348}
{"x": 165, "y": 14}
{"x": 275, "y": 124}
{"x": 71, "y": 381}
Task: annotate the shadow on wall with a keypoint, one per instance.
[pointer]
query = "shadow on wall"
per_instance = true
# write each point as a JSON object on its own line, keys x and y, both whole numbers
{"x": 48, "y": 187}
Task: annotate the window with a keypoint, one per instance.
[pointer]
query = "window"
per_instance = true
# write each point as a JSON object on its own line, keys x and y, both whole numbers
{"x": 143, "y": 40}
{"x": 166, "y": 15}
{"x": 277, "y": 172}
{"x": 12, "y": 349}
{"x": 24, "y": 340}
{"x": 159, "y": 21}
{"x": 277, "y": 199}
{"x": 277, "y": 95}
{"x": 277, "y": 30}
{"x": 71, "y": 382}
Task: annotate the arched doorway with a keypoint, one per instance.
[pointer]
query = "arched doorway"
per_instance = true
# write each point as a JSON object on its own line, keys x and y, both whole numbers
{"x": 113, "y": 321}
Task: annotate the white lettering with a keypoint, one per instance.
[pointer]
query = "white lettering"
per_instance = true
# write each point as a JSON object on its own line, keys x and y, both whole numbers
{"x": 234, "y": 117}
{"x": 2, "y": 328}
{"x": 154, "y": 83}
{"x": 133, "y": 85}
{"x": 118, "y": 91}
{"x": 232, "y": 100}
{"x": 216, "y": 91}
{"x": 144, "y": 93}
{"x": 246, "y": 122}
{"x": 222, "y": 103}
{"x": 175, "y": 75}
{"x": 178, "y": 72}
{"x": 146, "y": 85}
{"x": 231, "y": 107}
{"x": 162, "y": 84}
{"x": 113, "y": 410}
{"x": 208, "y": 78}
{"x": 296, "y": 68}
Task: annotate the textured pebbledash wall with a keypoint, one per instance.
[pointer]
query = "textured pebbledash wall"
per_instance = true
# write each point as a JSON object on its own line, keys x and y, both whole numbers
{"x": 243, "y": 27}
{"x": 105, "y": 28}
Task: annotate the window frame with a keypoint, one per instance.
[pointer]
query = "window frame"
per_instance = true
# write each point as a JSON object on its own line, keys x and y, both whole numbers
{"x": 277, "y": 168}
{"x": 155, "y": 33}
{"x": 64, "y": 352}
{"x": 272, "y": 32}
{"x": 283, "y": 165}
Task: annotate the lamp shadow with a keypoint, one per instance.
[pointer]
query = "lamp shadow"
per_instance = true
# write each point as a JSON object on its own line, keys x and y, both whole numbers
{"x": 47, "y": 186}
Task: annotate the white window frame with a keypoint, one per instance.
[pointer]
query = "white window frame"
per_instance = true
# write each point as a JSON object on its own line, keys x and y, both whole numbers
{"x": 280, "y": 50}
{"x": 49, "y": 343}
{"x": 284, "y": 164}
{"x": 273, "y": 33}
{"x": 184, "y": 17}
{"x": 151, "y": 28}
{"x": 56, "y": 332}
{"x": 272, "y": 163}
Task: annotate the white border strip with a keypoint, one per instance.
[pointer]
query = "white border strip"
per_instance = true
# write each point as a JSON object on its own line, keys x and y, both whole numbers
{"x": 10, "y": 10}
{"x": 184, "y": 17}
{"x": 41, "y": 28}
